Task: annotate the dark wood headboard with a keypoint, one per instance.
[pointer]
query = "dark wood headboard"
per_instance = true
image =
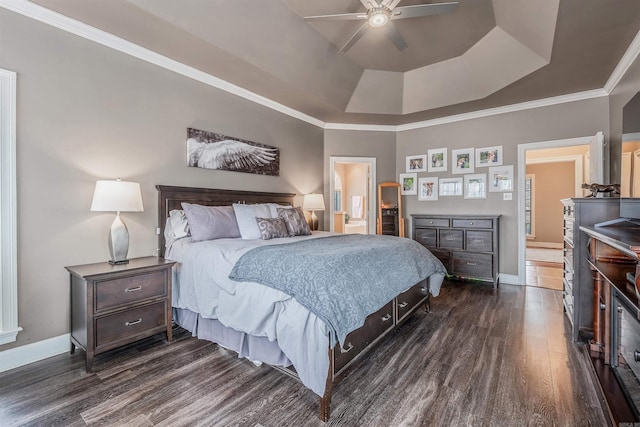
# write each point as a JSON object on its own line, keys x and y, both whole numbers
{"x": 170, "y": 197}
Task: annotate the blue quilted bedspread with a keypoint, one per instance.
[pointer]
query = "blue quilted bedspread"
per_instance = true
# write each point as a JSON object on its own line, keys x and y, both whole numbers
{"x": 341, "y": 278}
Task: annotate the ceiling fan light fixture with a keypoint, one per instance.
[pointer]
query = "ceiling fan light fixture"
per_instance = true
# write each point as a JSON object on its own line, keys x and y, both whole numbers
{"x": 378, "y": 17}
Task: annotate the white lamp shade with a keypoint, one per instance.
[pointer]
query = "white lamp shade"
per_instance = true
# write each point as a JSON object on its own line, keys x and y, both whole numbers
{"x": 117, "y": 196}
{"x": 313, "y": 202}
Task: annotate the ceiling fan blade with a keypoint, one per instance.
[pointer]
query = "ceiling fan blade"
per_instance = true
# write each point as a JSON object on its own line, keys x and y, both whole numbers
{"x": 355, "y": 37}
{"x": 391, "y": 4}
{"x": 416, "y": 11}
{"x": 395, "y": 36}
{"x": 369, "y": 3}
{"x": 338, "y": 17}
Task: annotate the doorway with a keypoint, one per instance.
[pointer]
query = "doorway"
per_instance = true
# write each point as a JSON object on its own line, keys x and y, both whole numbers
{"x": 587, "y": 165}
{"x": 352, "y": 206}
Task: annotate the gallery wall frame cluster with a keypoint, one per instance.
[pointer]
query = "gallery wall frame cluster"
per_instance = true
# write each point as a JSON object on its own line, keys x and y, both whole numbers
{"x": 471, "y": 185}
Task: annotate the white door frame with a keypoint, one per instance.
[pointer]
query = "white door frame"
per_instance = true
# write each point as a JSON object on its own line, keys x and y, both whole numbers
{"x": 371, "y": 195}
{"x": 598, "y": 156}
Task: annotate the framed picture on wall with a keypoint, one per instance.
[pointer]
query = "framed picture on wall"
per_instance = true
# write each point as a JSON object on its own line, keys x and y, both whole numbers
{"x": 450, "y": 187}
{"x": 489, "y": 156}
{"x": 475, "y": 186}
{"x": 417, "y": 163}
{"x": 409, "y": 183}
{"x": 501, "y": 178}
{"x": 462, "y": 161}
{"x": 428, "y": 189}
{"x": 437, "y": 160}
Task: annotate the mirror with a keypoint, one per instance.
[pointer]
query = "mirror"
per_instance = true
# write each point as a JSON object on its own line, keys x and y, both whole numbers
{"x": 630, "y": 162}
{"x": 390, "y": 219}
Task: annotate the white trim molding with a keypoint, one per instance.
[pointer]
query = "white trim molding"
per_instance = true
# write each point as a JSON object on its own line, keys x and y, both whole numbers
{"x": 34, "y": 352}
{"x": 8, "y": 235}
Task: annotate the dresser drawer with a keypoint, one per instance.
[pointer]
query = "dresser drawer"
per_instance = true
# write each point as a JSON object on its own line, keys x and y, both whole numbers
{"x": 374, "y": 326}
{"x": 127, "y": 324}
{"x": 408, "y": 300}
{"x": 126, "y": 290}
{"x": 444, "y": 255}
{"x": 479, "y": 241}
{"x": 471, "y": 264}
{"x": 427, "y": 236}
{"x": 451, "y": 239}
{"x": 473, "y": 223}
{"x": 431, "y": 222}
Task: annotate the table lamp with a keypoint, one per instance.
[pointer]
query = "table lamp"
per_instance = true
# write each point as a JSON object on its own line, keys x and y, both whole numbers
{"x": 117, "y": 196}
{"x": 313, "y": 202}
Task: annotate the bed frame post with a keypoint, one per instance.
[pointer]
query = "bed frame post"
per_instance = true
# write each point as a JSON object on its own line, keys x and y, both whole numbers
{"x": 325, "y": 400}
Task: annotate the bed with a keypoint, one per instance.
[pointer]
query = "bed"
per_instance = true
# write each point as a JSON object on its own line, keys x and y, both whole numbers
{"x": 239, "y": 292}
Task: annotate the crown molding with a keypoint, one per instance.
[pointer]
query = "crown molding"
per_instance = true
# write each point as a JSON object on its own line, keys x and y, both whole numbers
{"x": 47, "y": 16}
{"x": 627, "y": 59}
{"x": 88, "y": 32}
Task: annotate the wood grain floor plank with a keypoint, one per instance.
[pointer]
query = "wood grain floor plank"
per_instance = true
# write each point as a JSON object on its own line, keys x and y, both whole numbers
{"x": 482, "y": 357}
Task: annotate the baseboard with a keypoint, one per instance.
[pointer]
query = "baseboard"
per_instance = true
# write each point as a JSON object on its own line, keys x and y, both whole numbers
{"x": 23, "y": 355}
{"x": 508, "y": 279}
{"x": 548, "y": 245}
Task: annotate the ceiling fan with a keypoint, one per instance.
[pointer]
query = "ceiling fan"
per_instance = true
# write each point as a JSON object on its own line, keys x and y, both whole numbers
{"x": 380, "y": 13}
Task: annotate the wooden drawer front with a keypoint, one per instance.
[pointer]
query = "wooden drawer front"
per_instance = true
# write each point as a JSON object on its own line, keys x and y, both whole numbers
{"x": 473, "y": 223}
{"x": 427, "y": 236}
{"x": 444, "y": 256}
{"x": 127, "y": 290}
{"x": 479, "y": 241}
{"x": 470, "y": 264}
{"x": 407, "y": 300}
{"x": 431, "y": 222}
{"x": 452, "y": 239}
{"x": 374, "y": 326}
{"x": 130, "y": 324}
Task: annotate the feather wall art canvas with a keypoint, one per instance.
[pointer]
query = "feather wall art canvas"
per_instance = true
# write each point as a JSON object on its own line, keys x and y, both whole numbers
{"x": 211, "y": 150}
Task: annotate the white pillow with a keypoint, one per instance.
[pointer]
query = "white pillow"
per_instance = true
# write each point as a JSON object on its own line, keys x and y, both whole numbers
{"x": 176, "y": 227}
{"x": 246, "y": 216}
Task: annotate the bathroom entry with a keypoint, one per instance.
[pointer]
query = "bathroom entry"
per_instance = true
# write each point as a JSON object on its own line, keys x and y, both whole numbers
{"x": 352, "y": 195}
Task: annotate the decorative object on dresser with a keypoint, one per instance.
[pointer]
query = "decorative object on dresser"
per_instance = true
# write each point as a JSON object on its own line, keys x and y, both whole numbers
{"x": 607, "y": 189}
{"x": 113, "y": 305}
{"x": 577, "y": 291}
{"x": 313, "y": 202}
{"x": 614, "y": 257}
{"x": 467, "y": 245}
{"x": 117, "y": 196}
{"x": 390, "y": 219}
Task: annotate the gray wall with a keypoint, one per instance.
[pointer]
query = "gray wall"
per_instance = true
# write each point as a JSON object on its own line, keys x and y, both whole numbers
{"x": 570, "y": 120}
{"x": 86, "y": 112}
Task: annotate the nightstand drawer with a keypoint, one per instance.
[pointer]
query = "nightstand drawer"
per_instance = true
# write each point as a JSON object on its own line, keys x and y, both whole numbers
{"x": 130, "y": 289}
{"x": 130, "y": 323}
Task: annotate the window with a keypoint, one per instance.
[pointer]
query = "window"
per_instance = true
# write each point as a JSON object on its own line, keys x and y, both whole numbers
{"x": 529, "y": 206}
{"x": 8, "y": 247}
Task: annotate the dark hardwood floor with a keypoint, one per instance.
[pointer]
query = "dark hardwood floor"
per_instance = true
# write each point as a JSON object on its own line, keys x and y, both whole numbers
{"x": 482, "y": 357}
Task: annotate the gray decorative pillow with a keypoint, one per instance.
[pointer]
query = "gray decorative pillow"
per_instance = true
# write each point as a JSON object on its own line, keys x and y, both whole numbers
{"x": 272, "y": 228}
{"x": 211, "y": 222}
{"x": 296, "y": 223}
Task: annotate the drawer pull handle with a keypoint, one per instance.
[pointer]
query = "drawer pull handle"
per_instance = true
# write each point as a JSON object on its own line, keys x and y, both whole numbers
{"x": 636, "y": 356}
{"x": 423, "y": 289}
{"x": 430, "y": 222}
{"x": 137, "y": 288}
{"x": 470, "y": 223}
{"x": 603, "y": 306}
{"x": 619, "y": 309}
{"x": 472, "y": 263}
{"x": 135, "y": 322}
{"x": 386, "y": 317}
{"x": 402, "y": 305}
{"x": 348, "y": 349}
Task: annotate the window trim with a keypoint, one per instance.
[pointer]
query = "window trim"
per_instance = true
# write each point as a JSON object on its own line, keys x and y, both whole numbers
{"x": 8, "y": 212}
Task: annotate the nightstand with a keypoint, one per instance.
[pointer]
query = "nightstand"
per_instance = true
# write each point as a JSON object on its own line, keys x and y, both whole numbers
{"x": 114, "y": 305}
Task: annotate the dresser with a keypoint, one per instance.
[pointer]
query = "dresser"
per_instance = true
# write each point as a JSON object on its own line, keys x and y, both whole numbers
{"x": 614, "y": 257}
{"x": 577, "y": 297}
{"x": 114, "y": 305}
{"x": 467, "y": 245}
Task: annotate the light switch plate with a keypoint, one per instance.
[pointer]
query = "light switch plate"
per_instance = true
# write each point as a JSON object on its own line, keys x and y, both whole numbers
{"x": 507, "y": 196}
